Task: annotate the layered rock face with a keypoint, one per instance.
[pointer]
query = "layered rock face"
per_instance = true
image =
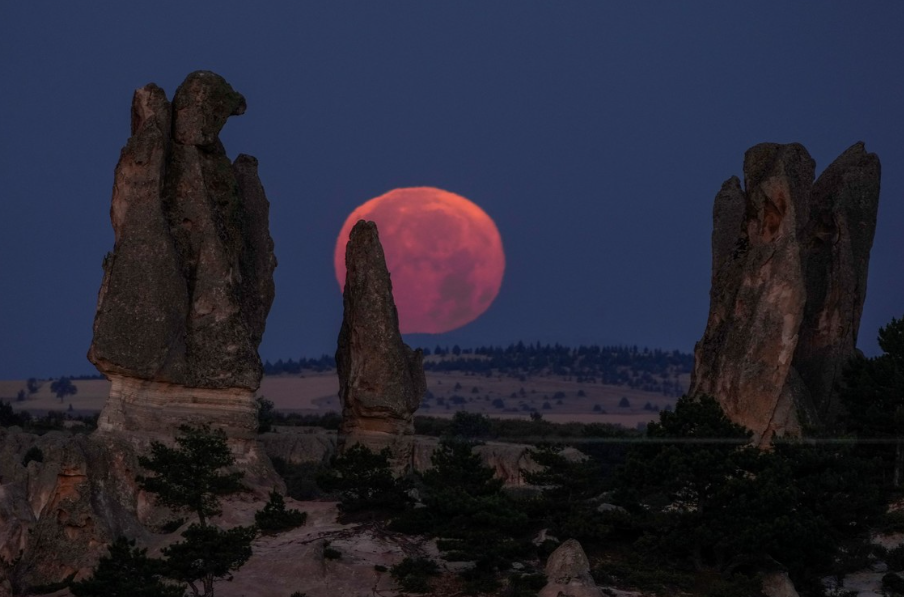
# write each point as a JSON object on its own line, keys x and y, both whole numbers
{"x": 57, "y": 514}
{"x": 381, "y": 379}
{"x": 188, "y": 286}
{"x": 790, "y": 260}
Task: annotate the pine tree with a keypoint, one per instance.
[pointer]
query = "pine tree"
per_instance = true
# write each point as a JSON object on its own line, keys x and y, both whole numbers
{"x": 126, "y": 571}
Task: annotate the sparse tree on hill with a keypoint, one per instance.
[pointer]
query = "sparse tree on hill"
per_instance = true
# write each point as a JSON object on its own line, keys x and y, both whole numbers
{"x": 63, "y": 387}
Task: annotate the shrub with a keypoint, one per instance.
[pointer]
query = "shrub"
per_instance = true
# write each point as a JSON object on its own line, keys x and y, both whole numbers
{"x": 126, "y": 570}
{"x": 413, "y": 574}
{"x": 365, "y": 482}
{"x": 274, "y": 517}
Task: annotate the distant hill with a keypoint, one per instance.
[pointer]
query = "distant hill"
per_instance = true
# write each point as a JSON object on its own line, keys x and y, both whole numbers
{"x": 655, "y": 371}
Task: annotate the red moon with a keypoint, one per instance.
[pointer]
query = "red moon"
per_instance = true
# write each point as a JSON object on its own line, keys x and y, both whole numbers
{"x": 443, "y": 252}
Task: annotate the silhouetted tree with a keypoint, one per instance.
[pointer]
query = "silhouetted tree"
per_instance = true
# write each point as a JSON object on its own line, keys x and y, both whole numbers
{"x": 126, "y": 571}
{"x": 63, "y": 387}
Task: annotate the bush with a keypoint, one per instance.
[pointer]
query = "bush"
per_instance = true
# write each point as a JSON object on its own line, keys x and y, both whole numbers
{"x": 9, "y": 417}
{"x": 365, "y": 483}
{"x": 126, "y": 570}
{"x": 331, "y": 553}
{"x": 208, "y": 553}
{"x": 264, "y": 414}
{"x": 413, "y": 574}
{"x": 892, "y": 584}
{"x": 274, "y": 517}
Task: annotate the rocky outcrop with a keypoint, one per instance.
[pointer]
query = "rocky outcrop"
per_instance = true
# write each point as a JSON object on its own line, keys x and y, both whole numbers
{"x": 568, "y": 573}
{"x": 778, "y": 584}
{"x": 509, "y": 461}
{"x": 790, "y": 261}
{"x": 381, "y": 379}
{"x": 187, "y": 288}
{"x": 59, "y": 510}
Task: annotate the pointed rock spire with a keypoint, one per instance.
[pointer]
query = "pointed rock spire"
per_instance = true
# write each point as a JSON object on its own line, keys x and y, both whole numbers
{"x": 381, "y": 379}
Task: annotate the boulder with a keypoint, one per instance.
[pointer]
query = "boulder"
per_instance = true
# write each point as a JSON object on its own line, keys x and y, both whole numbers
{"x": 777, "y": 584}
{"x": 789, "y": 268}
{"x": 381, "y": 379}
{"x": 568, "y": 573}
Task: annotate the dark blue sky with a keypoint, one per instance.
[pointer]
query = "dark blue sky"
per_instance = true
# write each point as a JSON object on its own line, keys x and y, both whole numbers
{"x": 596, "y": 134}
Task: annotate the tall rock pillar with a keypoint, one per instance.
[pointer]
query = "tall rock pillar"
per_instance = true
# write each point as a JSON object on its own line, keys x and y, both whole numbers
{"x": 790, "y": 260}
{"x": 187, "y": 288}
{"x": 381, "y": 379}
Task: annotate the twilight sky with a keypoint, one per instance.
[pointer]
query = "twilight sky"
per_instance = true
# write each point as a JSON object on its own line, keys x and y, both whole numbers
{"x": 595, "y": 134}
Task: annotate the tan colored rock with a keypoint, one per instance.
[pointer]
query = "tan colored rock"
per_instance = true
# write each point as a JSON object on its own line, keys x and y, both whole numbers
{"x": 788, "y": 282}
{"x": 187, "y": 289}
{"x": 568, "y": 573}
{"x": 777, "y": 584}
{"x": 381, "y": 379}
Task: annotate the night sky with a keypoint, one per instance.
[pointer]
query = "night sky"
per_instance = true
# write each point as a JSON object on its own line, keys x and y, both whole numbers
{"x": 595, "y": 134}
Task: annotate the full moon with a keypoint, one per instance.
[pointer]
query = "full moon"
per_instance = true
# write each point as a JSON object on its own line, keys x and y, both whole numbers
{"x": 443, "y": 252}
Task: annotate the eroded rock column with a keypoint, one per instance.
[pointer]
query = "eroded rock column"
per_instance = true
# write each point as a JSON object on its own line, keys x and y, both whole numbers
{"x": 790, "y": 260}
{"x": 188, "y": 286}
{"x": 381, "y": 379}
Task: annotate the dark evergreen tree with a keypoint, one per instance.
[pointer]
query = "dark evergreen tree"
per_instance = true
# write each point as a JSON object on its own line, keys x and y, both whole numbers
{"x": 265, "y": 414}
{"x": 126, "y": 571}
{"x": 469, "y": 514}
{"x": 189, "y": 477}
{"x": 874, "y": 398}
{"x": 566, "y": 505}
{"x": 365, "y": 483}
{"x": 274, "y": 517}
{"x": 207, "y": 554}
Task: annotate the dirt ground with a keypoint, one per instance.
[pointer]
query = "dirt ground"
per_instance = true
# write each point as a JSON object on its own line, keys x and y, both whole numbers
{"x": 557, "y": 399}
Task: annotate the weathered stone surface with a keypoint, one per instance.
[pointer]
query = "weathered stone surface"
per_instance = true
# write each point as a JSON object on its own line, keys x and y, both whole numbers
{"x": 789, "y": 277}
{"x": 568, "y": 573}
{"x": 510, "y": 461}
{"x": 381, "y": 379}
{"x": 60, "y": 513}
{"x": 187, "y": 288}
{"x": 777, "y": 584}
{"x": 845, "y": 201}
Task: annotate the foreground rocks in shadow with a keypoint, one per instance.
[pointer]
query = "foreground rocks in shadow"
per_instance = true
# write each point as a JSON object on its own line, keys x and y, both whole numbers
{"x": 181, "y": 312}
{"x": 63, "y": 498}
{"x": 790, "y": 261}
{"x": 568, "y": 573}
{"x": 381, "y": 379}
{"x": 187, "y": 288}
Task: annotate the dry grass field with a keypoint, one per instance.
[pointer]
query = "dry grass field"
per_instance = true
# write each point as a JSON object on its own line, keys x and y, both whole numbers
{"x": 557, "y": 399}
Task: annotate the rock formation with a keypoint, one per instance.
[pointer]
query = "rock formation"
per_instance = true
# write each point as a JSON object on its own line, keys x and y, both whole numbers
{"x": 381, "y": 380}
{"x": 58, "y": 512}
{"x": 568, "y": 573}
{"x": 181, "y": 311}
{"x": 790, "y": 261}
{"x": 187, "y": 288}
